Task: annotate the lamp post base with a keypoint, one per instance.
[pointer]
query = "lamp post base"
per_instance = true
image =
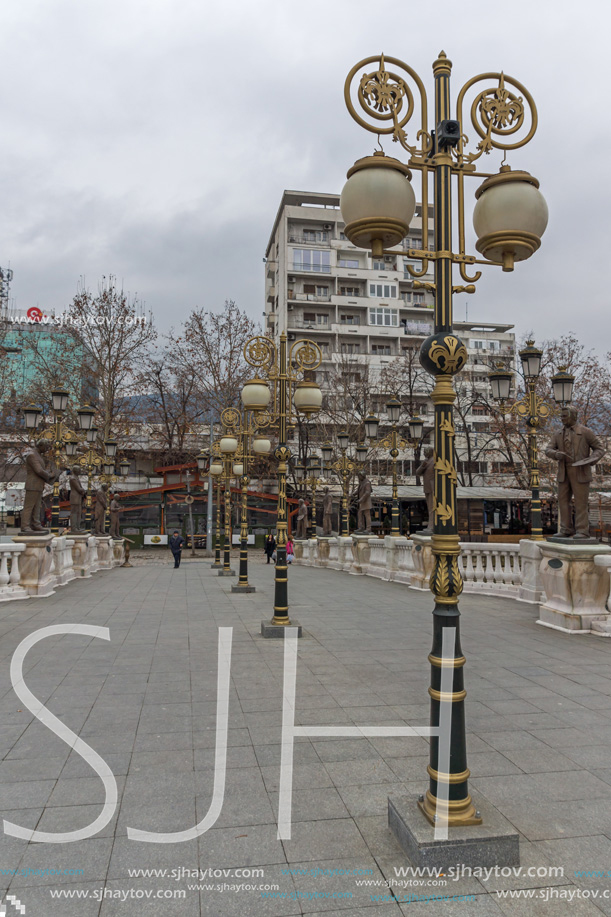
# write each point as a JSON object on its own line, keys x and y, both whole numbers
{"x": 226, "y": 573}
{"x": 269, "y": 629}
{"x": 493, "y": 843}
{"x": 239, "y": 588}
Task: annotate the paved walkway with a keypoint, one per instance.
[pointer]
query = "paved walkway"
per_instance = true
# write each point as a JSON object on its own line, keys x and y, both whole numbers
{"x": 539, "y": 721}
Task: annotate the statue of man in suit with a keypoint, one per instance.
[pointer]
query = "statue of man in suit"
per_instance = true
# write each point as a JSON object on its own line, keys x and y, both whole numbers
{"x": 302, "y": 520}
{"x": 100, "y": 510}
{"x": 364, "y": 497}
{"x": 576, "y": 449}
{"x": 327, "y": 513}
{"x": 77, "y": 493}
{"x": 426, "y": 471}
{"x": 37, "y": 475}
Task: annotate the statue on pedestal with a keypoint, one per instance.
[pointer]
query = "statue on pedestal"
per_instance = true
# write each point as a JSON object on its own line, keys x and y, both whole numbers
{"x": 426, "y": 470}
{"x": 37, "y": 475}
{"x": 100, "y": 510}
{"x": 576, "y": 449}
{"x": 327, "y": 513}
{"x": 114, "y": 517}
{"x": 77, "y": 493}
{"x": 364, "y": 498}
{"x": 302, "y": 520}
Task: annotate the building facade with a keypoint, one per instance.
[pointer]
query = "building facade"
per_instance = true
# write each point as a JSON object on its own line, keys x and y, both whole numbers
{"x": 369, "y": 317}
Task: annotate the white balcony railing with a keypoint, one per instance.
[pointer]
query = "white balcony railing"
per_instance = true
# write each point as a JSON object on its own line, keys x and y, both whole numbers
{"x": 10, "y": 577}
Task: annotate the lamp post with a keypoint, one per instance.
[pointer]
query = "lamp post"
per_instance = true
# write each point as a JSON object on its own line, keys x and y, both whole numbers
{"x": 228, "y": 445}
{"x": 310, "y": 475}
{"x": 217, "y": 467}
{"x": 394, "y": 442}
{"x": 61, "y": 438}
{"x": 280, "y": 371}
{"x": 533, "y": 409}
{"x": 344, "y": 467}
{"x": 510, "y": 216}
{"x": 91, "y": 462}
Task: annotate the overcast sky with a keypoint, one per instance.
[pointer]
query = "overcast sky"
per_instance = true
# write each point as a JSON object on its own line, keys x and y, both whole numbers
{"x": 153, "y": 140}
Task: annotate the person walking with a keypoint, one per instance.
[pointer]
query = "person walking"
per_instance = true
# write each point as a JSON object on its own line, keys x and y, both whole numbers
{"x": 176, "y": 542}
{"x": 269, "y": 547}
{"x": 290, "y": 551}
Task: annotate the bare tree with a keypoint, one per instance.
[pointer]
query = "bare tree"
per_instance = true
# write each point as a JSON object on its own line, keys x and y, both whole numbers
{"x": 116, "y": 333}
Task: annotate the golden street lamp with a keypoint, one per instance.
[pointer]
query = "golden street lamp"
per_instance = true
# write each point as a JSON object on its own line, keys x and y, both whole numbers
{"x": 91, "y": 462}
{"x": 216, "y": 470}
{"x": 228, "y": 446}
{"x": 244, "y": 426}
{"x": 310, "y": 475}
{"x": 393, "y": 442}
{"x": 61, "y": 438}
{"x": 345, "y": 467}
{"x": 533, "y": 409}
{"x": 510, "y": 216}
{"x": 281, "y": 390}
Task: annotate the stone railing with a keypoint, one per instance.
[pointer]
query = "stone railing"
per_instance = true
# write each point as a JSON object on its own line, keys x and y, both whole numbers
{"x": 569, "y": 580}
{"x": 493, "y": 569}
{"x": 10, "y": 576}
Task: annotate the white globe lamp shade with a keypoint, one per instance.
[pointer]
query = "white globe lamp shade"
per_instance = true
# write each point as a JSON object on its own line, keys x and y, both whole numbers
{"x": 509, "y": 218}
{"x": 228, "y": 445}
{"x": 238, "y": 469}
{"x": 377, "y": 202}
{"x": 216, "y": 468}
{"x": 308, "y": 397}
{"x": 255, "y": 395}
{"x": 262, "y": 445}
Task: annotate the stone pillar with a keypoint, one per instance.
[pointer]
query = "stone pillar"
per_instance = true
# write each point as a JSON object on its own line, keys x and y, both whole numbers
{"x": 36, "y": 564}
{"x": 576, "y": 589}
{"x": 63, "y": 566}
{"x": 105, "y": 551}
{"x": 82, "y": 554}
{"x": 118, "y": 552}
{"x": 322, "y": 554}
{"x": 360, "y": 554}
{"x": 298, "y": 548}
{"x": 422, "y": 555}
{"x": 344, "y": 553}
{"x": 393, "y": 571}
{"x": 531, "y": 587}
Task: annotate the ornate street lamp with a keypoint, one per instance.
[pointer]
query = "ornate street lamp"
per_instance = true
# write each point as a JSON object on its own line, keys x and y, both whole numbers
{"x": 533, "y": 409}
{"x": 216, "y": 470}
{"x": 59, "y": 436}
{"x": 345, "y": 467}
{"x": 509, "y": 219}
{"x": 393, "y": 442}
{"x": 282, "y": 389}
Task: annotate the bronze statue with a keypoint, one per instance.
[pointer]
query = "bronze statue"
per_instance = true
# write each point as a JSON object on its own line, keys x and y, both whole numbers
{"x": 364, "y": 498}
{"x": 426, "y": 470}
{"x": 327, "y": 513}
{"x": 77, "y": 492}
{"x": 37, "y": 475}
{"x": 302, "y": 520}
{"x": 576, "y": 448}
{"x": 114, "y": 517}
{"x": 100, "y": 510}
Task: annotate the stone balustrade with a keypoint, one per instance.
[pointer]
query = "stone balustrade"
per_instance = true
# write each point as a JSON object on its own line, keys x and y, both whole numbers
{"x": 570, "y": 584}
{"x": 10, "y": 576}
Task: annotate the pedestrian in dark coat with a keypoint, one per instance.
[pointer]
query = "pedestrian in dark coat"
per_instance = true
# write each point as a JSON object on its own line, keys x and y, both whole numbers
{"x": 269, "y": 547}
{"x": 176, "y": 542}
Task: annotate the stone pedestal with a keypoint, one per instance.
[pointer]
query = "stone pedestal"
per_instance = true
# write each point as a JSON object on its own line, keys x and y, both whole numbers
{"x": 322, "y": 550}
{"x": 576, "y": 589}
{"x": 298, "y": 548}
{"x": 602, "y": 628}
{"x": 344, "y": 553}
{"x": 493, "y": 843}
{"x": 531, "y": 587}
{"x": 36, "y": 564}
{"x": 63, "y": 567}
{"x": 83, "y": 554}
{"x": 278, "y": 631}
{"x": 104, "y": 545}
{"x": 360, "y": 554}
{"x": 118, "y": 552}
{"x": 422, "y": 555}
{"x": 396, "y": 546}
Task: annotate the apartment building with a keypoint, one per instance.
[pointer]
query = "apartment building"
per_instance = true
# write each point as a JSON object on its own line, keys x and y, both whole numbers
{"x": 364, "y": 312}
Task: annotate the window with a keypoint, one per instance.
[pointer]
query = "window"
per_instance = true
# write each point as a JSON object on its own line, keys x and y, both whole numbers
{"x": 343, "y": 236}
{"x": 384, "y": 316}
{"x": 324, "y": 348}
{"x": 381, "y": 350}
{"x": 322, "y": 319}
{"x": 479, "y": 410}
{"x": 315, "y": 235}
{"x": 383, "y": 290}
{"x": 418, "y": 298}
{"x": 349, "y": 262}
{"x": 492, "y": 346}
{"x": 351, "y": 347}
{"x": 322, "y": 291}
{"x": 349, "y": 291}
{"x": 350, "y": 320}
{"x": 309, "y": 317}
{"x": 311, "y": 260}
{"x": 379, "y": 266}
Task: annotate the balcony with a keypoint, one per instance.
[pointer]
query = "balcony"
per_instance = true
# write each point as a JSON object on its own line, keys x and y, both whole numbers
{"x": 299, "y": 267}
{"x": 309, "y": 326}
{"x": 296, "y": 238}
{"x": 296, "y": 297}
